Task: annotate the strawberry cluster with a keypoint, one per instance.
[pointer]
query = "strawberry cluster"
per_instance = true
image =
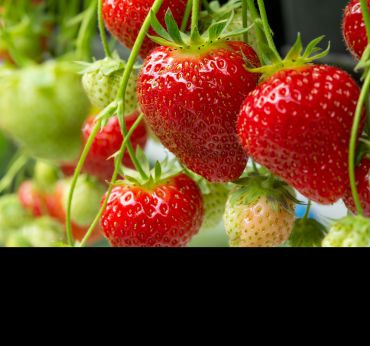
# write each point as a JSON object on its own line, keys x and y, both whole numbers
{"x": 248, "y": 128}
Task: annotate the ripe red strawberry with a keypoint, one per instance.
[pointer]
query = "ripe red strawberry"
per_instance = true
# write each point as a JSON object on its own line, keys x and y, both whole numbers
{"x": 32, "y": 199}
{"x": 298, "y": 124}
{"x": 124, "y": 19}
{"x": 196, "y": 119}
{"x": 363, "y": 187}
{"x": 99, "y": 162}
{"x": 164, "y": 213}
{"x": 354, "y": 30}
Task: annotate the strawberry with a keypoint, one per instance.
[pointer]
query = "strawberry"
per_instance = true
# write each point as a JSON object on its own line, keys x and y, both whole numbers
{"x": 298, "y": 123}
{"x": 208, "y": 80}
{"x": 307, "y": 233}
{"x": 260, "y": 213}
{"x": 12, "y": 216}
{"x": 215, "y": 198}
{"x": 352, "y": 231}
{"x": 363, "y": 187}
{"x": 124, "y": 19}
{"x": 85, "y": 204}
{"x": 166, "y": 210}
{"x": 99, "y": 162}
{"x": 32, "y": 199}
{"x": 43, "y": 108}
{"x": 354, "y": 30}
{"x": 101, "y": 81}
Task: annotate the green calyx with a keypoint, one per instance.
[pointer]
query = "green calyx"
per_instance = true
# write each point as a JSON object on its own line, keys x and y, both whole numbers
{"x": 173, "y": 37}
{"x": 297, "y": 57}
{"x": 307, "y": 233}
{"x": 107, "y": 66}
{"x": 161, "y": 172}
{"x": 253, "y": 187}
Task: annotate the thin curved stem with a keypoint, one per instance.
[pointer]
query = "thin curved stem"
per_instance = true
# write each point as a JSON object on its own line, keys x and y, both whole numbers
{"x": 353, "y": 143}
{"x": 15, "y": 167}
{"x": 103, "y": 35}
{"x": 366, "y": 15}
{"x": 267, "y": 29}
{"x": 187, "y": 14}
{"x": 113, "y": 181}
{"x": 106, "y": 113}
{"x": 195, "y": 21}
{"x": 307, "y": 214}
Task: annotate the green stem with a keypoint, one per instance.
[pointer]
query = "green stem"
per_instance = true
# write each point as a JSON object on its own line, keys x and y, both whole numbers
{"x": 113, "y": 181}
{"x": 307, "y": 214}
{"x": 255, "y": 168}
{"x": 106, "y": 113}
{"x": 15, "y": 167}
{"x": 85, "y": 35}
{"x": 125, "y": 78}
{"x": 267, "y": 29}
{"x": 194, "y": 22}
{"x": 103, "y": 35}
{"x": 353, "y": 143}
{"x": 245, "y": 19}
{"x": 187, "y": 13}
{"x": 366, "y": 15}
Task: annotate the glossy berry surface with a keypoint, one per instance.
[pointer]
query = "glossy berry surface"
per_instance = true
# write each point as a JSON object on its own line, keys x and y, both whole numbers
{"x": 298, "y": 124}
{"x": 191, "y": 101}
{"x": 354, "y": 30}
{"x": 108, "y": 141}
{"x": 363, "y": 188}
{"x": 167, "y": 215}
{"x": 124, "y": 19}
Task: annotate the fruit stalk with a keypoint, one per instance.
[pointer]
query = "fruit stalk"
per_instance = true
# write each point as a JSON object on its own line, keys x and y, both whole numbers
{"x": 267, "y": 29}
{"x": 353, "y": 143}
{"x": 105, "y": 113}
{"x": 366, "y": 15}
{"x": 194, "y": 22}
{"x": 113, "y": 181}
{"x": 187, "y": 13}
{"x": 103, "y": 36}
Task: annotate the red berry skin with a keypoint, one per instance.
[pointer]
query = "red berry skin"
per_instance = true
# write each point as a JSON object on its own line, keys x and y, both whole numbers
{"x": 124, "y": 19}
{"x": 191, "y": 101}
{"x": 298, "y": 124}
{"x": 354, "y": 31}
{"x": 99, "y": 162}
{"x": 168, "y": 215}
{"x": 363, "y": 187}
{"x": 108, "y": 141}
{"x": 31, "y": 199}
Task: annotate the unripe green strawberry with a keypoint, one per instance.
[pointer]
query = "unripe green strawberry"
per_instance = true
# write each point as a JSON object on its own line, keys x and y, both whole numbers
{"x": 260, "y": 214}
{"x": 86, "y": 201}
{"x": 214, "y": 200}
{"x": 307, "y": 233}
{"x": 43, "y": 232}
{"x": 352, "y": 231}
{"x": 101, "y": 81}
{"x": 12, "y": 216}
{"x": 43, "y": 108}
{"x": 45, "y": 175}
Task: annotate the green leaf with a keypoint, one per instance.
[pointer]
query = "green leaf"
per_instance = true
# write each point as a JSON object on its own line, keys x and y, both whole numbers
{"x": 295, "y": 52}
{"x": 173, "y": 29}
{"x": 158, "y": 28}
{"x": 312, "y": 47}
{"x": 157, "y": 171}
{"x": 143, "y": 160}
{"x": 163, "y": 42}
{"x": 216, "y": 29}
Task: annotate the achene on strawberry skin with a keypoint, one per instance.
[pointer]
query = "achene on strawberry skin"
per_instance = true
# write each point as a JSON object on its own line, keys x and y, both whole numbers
{"x": 167, "y": 214}
{"x": 124, "y": 18}
{"x": 298, "y": 124}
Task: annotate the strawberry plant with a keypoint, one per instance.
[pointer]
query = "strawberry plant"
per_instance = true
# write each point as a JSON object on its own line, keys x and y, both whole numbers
{"x": 251, "y": 131}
